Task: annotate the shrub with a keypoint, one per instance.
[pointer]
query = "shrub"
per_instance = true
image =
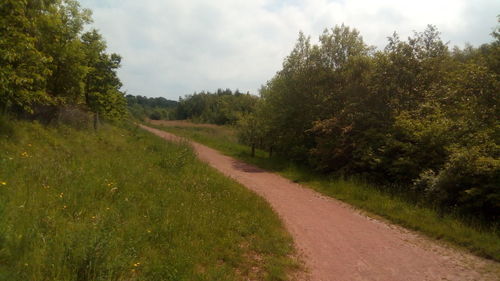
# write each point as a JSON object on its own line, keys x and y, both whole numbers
{"x": 155, "y": 115}
{"x": 468, "y": 181}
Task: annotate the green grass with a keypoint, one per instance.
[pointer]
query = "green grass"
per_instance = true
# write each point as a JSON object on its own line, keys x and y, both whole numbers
{"x": 122, "y": 204}
{"x": 482, "y": 241}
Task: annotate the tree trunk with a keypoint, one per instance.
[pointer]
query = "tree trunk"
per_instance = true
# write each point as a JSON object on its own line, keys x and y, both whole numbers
{"x": 270, "y": 151}
{"x": 253, "y": 149}
{"x": 3, "y": 108}
{"x": 96, "y": 120}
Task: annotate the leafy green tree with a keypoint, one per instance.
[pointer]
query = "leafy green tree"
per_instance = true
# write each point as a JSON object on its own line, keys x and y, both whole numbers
{"x": 142, "y": 107}
{"x": 102, "y": 84}
{"x": 60, "y": 29}
{"x": 221, "y": 107}
{"x": 312, "y": 87}
{"x": 415, "y": 115}
{"x": 249, "y": 131}
{"x": 23, "y": 68}
{"x": 47, "y": 64}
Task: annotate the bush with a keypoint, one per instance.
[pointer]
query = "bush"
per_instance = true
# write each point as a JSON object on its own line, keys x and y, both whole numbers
{"x": 74, "y": 117}
{"x": 468, "y": 181}
{"x": 155, "y": 115}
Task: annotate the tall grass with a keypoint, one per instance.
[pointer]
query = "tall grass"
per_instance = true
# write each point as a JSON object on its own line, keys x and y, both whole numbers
{"x": 122, "y": 204}
{"x": 456, "y": 230}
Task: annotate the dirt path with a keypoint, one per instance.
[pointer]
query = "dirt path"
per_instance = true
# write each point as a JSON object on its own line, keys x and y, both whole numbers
{"x": 340, "y": 243}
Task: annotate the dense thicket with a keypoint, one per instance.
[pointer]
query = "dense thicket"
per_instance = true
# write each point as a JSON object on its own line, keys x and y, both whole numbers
{"x": 48, "y": 63}
{"x": 221, "y": 107}
{"x": 415, "y": 114}
{"x": 153, "y": 108}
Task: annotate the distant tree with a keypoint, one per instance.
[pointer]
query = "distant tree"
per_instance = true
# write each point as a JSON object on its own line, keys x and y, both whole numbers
{"x": 153, "y": 108}
{"x": 221, "y": 107}
{"x": 249, "y": 131}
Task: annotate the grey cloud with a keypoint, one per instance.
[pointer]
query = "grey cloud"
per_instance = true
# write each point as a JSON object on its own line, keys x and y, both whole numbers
{"x": 172, "y": 48}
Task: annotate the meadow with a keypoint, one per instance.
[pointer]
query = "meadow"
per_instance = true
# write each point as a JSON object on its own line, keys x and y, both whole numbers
{"x": 377, "y": 201}
{"x": 121, "y": 204}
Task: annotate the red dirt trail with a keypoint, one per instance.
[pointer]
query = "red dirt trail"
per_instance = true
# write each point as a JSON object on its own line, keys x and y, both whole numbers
{"x": 337, "y": 242}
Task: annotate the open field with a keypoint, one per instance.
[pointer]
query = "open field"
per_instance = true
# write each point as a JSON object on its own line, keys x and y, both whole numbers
{"x": 121, "y": 204}
{"x": 484, "y": 242}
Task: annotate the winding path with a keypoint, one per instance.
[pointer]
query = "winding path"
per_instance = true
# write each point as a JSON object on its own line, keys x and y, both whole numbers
{"x": 337, "y": 242}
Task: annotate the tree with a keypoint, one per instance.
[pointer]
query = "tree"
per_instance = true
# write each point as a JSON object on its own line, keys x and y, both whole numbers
{"x": 249, "y": 131}
{"x": 23, "y": 68}
{"x": 312, "y": 86}
{"x": 413, "y": 115}
{"x": 59, "y": 32}
{"x": 102, "y": 85}
{"x": 46, "y": 63}
{"x": 221, "y": 107}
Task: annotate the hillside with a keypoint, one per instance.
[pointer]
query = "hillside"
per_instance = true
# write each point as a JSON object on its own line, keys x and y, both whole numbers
{"x": 121, "y": 204}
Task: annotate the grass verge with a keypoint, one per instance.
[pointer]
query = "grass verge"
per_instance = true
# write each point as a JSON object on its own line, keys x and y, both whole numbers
{"x": 484, "y": 242}
{"x": 121, "y": 204}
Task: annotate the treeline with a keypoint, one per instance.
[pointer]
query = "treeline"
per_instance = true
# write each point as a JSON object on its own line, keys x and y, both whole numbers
{"x": 417, "y": 114}
{"x": 153, "y": 108}
{"x": 220, "y": 107}
{"x": 48, "y": 64}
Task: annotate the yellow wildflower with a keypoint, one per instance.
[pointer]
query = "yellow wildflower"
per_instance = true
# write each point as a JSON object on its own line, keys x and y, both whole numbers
{"x": 3, "y": 183}
{"x": 61, "y": 195}
{"x": 25, "y": 154}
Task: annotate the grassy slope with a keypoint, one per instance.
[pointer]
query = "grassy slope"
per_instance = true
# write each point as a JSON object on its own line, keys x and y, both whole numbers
{"x": 485, "y": 243}
{"x": 125, "y": 205}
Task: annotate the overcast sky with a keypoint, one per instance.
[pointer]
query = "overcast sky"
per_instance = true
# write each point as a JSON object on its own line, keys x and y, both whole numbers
{"x": 171, "y": 48}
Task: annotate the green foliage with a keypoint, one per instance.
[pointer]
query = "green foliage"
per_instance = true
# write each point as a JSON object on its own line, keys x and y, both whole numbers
{"x": 311, "y": 87}
{"x": 222, "y": 107}
{"x": 249, "y": 131}
{"x": 59, "y": 31}
{"x": 469, "y": 178}
{"x": 23, "y": 68}
{"x": 153, "y": 108}
{"x": 102, "y": 93}
{"x": 397, "y": 116}
{"x": 46, "y": 61}
{"x": 156, "y": 115}
{"x": 154, "y": 213}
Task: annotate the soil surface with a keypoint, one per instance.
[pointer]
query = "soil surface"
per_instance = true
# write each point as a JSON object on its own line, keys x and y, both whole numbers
{"x": 338, "y": 242}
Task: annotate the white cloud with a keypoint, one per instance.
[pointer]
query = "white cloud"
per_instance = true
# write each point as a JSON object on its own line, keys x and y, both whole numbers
{"x": 172, "y": 48}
